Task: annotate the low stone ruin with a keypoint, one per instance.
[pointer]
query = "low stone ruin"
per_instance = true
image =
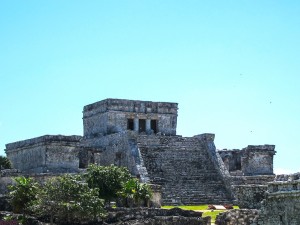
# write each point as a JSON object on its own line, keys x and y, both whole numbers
{"x": 238, "y": 217}
{"x": 136, "y": 216}
{"x": 280, "y": 206}
{"x": 154, "y": 216}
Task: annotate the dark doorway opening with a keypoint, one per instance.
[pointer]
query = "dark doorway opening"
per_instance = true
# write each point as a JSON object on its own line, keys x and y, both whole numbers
{"x": 238, "y": 163}
{"x": 154, "y": 126}
{"x": 142, "y": 125}
{"x": 130, "y": 124}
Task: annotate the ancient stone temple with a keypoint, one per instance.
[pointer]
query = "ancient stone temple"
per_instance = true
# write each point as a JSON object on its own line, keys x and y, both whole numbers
{"x": 141, "y": 135}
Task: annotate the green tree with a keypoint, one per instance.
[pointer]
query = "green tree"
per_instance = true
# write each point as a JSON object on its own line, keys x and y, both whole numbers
{"x": 23, "y": 194}
{"x": 4, "y": 163}
{"x": 68, "y": 199}
{"x": 109, "y": 179}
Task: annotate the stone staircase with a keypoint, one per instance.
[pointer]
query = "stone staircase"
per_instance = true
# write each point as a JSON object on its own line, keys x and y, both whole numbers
{"x": 184, "y": 168}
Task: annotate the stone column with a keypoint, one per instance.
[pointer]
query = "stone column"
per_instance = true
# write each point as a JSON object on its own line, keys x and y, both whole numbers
{"x": 148, "y": 125}
{"x": 136, "y": 124}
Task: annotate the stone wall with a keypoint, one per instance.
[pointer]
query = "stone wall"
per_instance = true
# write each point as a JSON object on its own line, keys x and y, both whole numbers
{"x": 6, "y": 179}
{"x": 4, "y": 183}
{"x": 132, "y": 216}
{"x": 184, "y": 168}
{"x": 155, "y": 216}
{"x": 239, "y": 217}
{"x": 49, "y": 153}
{"x": 249, "y": 196}
{"x": 111, "y": 116}
{"x": 282, "y": 203}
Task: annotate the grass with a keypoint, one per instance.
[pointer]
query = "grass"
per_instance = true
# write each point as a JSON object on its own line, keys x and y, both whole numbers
{"x": 187, "y": 207}
{"x": 204, "y": 208}
{"x": 212, "y": 214}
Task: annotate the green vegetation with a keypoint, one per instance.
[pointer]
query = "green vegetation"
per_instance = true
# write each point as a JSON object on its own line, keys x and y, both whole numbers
{"x": 23, "y": 194}
{"x": 4, "y": 163}
{"x": 203, "y": 208}
{"x": 68, "y": 199}
{"x": 77, "y": 198}
{"x": 188, "y": 207}
{"x": 135, "y": 193}
{"x": 116, "y": 183}
{"x": 110, "y": 180}
{"x": 213, "y": 214}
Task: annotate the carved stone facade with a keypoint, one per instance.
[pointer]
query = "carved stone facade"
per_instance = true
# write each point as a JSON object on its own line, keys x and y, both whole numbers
{"x": 141, "y": 135}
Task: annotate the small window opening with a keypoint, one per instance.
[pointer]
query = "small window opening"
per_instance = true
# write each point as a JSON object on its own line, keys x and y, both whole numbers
{"x": 130, "y": 124}
{"x": 142, "y": 125}
{"x": 154, "y": 126}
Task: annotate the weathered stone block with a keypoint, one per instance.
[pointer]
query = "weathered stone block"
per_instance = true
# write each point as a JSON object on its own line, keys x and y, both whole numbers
{"x": 49, "y": 153}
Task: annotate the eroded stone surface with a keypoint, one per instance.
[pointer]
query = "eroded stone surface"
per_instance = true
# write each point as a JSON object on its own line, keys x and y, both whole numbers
{"x": 49, "y": 153}
{"x": 250, "y": 196}
{"x": 281, "y": 205}
{"x": 250, "y": 161}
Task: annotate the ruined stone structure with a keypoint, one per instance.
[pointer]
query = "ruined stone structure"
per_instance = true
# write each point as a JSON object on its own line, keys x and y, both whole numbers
{"x": 238, "y": 217}
{"x": 55, "y": 153}
{"x": 280, "y": 206}
{"x": 282, "y": 202}
{"x": 141, "y": 135}
{"x": 252, "y": 160}
{"x": 128, "y": 216}
{"x": 249, "y": 196}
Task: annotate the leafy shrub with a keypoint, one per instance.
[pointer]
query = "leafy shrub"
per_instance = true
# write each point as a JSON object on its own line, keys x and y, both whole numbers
{"x": 68, "y": 199}
{"x": 135, "y": 193}
{"x": 22, "y": 194}
{"x": 110, "y": 180}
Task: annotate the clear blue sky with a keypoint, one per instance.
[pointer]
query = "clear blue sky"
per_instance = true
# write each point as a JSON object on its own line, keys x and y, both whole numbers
{"x": 233, "y": 67}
